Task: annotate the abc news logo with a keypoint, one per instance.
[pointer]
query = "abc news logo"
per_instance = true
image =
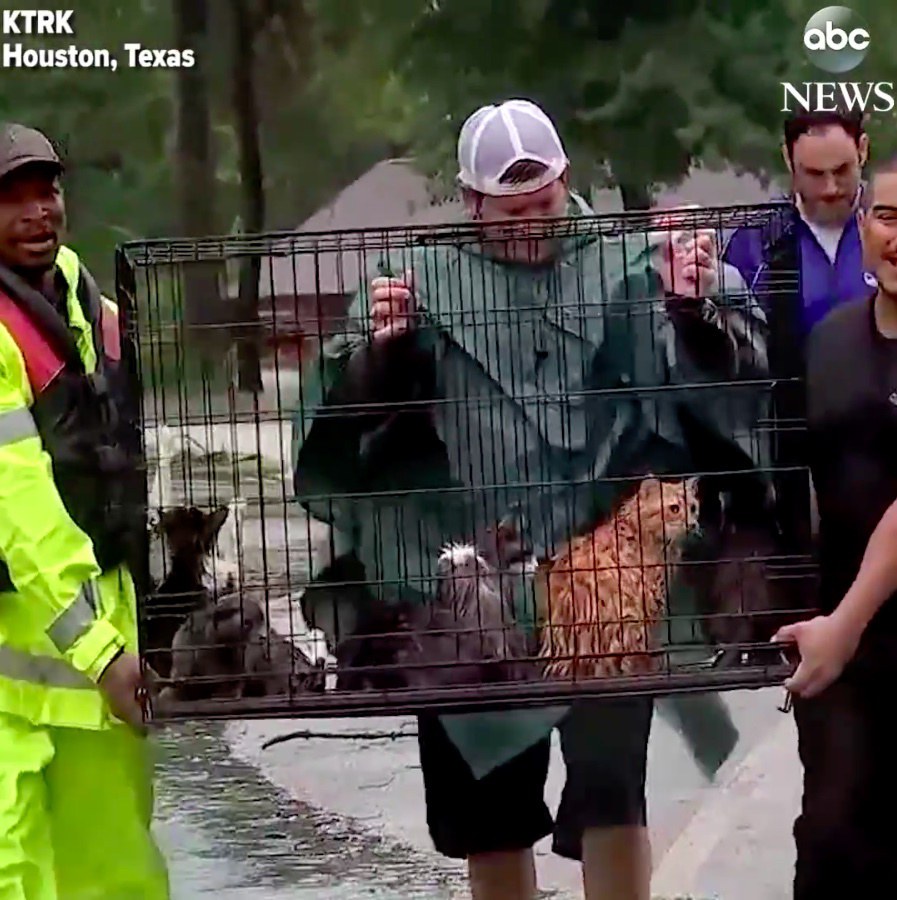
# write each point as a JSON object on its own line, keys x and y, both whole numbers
{"x": 836, "y": 40}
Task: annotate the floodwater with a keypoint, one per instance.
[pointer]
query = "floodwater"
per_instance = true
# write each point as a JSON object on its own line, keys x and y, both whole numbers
{"x": 228, "y": 832}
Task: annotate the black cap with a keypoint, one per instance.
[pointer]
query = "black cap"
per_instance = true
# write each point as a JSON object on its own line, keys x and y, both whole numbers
{"x": 21, "y": 146}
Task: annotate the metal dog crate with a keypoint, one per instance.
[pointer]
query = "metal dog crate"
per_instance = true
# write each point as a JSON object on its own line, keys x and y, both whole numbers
{"x": 354, "y": 592}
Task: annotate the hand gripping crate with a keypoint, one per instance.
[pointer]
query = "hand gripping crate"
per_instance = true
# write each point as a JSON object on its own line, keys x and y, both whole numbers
{"x": 561, "y": 476}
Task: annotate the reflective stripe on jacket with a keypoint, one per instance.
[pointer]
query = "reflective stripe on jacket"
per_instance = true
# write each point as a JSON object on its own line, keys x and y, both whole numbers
{"x": 66, "y": 620}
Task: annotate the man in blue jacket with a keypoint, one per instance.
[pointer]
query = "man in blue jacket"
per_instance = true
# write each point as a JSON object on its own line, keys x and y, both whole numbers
{"x": 819, "y": 243}
{"x": 825, "y": 153}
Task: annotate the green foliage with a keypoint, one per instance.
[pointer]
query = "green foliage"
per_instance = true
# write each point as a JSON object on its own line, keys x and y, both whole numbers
{"x": 330, "y": 108}
{"x": 333, "y": 106}
{"x": 112, "y": 127}
{"x": 645, "y": 88}
{"x": 641, "y": 91}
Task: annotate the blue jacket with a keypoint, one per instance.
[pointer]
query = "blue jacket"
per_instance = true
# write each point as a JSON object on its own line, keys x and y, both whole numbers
{"x": 797, "y": 286}
{"x": 823, "y": 284}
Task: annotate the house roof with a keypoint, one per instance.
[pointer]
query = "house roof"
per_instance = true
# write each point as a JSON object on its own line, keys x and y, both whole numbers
{"x": 394, "y": 194}
{"x": 390, "y": 194}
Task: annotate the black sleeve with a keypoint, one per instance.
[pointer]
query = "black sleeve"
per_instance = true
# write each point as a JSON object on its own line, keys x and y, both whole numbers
{"x": 835, "y": 353}
{"x": 379, "y": 385}
{"x": 381, "y": 375}
{"x": 816, "y": 347}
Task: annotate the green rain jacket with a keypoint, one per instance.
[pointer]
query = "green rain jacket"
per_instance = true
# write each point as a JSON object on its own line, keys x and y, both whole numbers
{"x": 539, "y": 382}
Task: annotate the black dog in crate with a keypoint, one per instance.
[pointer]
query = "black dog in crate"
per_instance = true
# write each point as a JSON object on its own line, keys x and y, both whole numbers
{"x": 212, "y": 645}
{"x": 745, "y": 581}
{"x": 190, "y": 536}
{"x": 466, "y": 635}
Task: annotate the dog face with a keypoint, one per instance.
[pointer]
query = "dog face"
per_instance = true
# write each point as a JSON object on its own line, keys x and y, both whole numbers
{"x": 667, "y": 508}
{"x": 506, "y": 547}
{"x": 189, "y": 532}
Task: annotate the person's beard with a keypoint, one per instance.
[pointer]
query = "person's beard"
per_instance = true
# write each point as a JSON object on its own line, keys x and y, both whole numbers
{"x": 828, "y": 214}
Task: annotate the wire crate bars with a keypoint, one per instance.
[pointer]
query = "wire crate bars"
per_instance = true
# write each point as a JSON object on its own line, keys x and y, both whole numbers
{"x": 542, "y": 468}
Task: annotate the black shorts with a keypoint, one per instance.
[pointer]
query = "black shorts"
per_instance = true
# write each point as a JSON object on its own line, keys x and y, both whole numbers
{"x": 846, "y": 833}
{"x": 605, "y": 749}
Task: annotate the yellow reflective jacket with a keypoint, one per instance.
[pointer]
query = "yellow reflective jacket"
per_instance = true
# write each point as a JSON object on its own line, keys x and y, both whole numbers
{"x": 66, "y": 620}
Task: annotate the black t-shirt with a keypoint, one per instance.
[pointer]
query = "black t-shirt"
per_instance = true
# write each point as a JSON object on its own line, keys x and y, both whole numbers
{"x": 57, "y": 293}
{"x": 852, "y": 419}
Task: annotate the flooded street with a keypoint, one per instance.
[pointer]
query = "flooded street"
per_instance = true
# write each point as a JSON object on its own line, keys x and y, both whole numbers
{"x": 227, "y": 832}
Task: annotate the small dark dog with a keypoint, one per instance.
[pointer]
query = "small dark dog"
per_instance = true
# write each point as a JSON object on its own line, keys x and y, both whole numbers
{"x": 339, "y": 604}
{"x": 467, "y": 635}
{"x": 190, "y": 536}
{"x": 227, "y": 650}
{"x": 746, "y": 584}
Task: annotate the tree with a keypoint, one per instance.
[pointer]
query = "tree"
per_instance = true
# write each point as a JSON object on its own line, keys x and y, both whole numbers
{"x": 153, "y": 152}
{"x": 195, "y": 167}
{"x": 331, "y": 105}
{"x": 641, "y": 91}
{"x": 247, "y": 21}
{"x": 113, "y": 129}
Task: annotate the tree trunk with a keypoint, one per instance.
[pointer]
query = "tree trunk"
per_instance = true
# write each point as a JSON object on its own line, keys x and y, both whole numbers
{"x": 195, "y": 167}
{"x": 636, "y": 196}
{"x": 252, "y": 193}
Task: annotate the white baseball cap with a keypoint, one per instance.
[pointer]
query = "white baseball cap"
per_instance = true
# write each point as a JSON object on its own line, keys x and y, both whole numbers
{"x": 494, "y": 138}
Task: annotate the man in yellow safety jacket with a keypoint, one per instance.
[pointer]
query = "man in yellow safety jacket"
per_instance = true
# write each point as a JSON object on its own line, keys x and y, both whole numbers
{"x": 75, "y": 772}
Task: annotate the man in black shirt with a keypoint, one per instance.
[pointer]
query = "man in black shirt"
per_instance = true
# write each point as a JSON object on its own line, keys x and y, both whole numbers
{"x": 846, "y": 834}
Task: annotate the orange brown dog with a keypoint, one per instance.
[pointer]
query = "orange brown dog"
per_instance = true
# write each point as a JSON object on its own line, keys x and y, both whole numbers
{"x": 602, "y": 597}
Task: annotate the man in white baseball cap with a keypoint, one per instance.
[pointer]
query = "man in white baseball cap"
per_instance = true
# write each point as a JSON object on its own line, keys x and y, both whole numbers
{"x": 494, "y": 139}
{"x": 512, "y": 165}
{"x": 484, "y": 776}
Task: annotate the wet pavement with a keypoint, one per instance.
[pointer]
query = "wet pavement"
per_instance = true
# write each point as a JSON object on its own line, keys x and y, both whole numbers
{"x": 230, "y": 833}
{"x": 344, "y": 819}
